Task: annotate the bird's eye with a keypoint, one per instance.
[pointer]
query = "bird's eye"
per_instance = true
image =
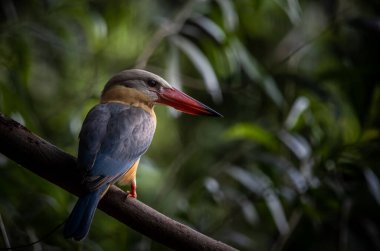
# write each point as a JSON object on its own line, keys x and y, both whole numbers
{"x": 152, "y": 83}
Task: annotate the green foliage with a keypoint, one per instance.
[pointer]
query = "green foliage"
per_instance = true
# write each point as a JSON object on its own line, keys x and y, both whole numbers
{"x": 293, "y": 165}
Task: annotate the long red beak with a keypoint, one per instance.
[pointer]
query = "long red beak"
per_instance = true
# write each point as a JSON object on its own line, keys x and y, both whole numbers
{"x": 184, "y": 103}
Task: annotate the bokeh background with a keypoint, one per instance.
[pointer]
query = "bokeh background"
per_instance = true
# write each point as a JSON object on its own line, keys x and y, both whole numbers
{"x": 294, "y": 163}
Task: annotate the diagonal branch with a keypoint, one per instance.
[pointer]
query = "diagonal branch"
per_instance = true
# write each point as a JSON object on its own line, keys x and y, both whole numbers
{"x": 58, "y": 167}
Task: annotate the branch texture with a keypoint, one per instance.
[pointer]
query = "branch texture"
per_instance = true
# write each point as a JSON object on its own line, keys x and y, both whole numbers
{"x": 58, "y": 167}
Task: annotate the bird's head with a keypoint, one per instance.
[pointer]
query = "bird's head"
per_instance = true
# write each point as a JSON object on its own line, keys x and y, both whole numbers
{"x": 136, "y": 85}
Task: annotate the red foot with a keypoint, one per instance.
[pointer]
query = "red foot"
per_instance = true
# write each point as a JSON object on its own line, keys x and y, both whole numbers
{"x": 132, "y": 193}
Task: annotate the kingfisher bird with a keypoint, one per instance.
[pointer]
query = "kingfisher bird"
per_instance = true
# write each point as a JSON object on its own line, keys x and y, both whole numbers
{"x": 116, "y": 133}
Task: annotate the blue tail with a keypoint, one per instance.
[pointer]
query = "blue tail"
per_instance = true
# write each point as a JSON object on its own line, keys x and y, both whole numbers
{"x": 79, "y": 222}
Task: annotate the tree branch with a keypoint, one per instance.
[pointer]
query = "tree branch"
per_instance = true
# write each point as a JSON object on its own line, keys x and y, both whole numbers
{"x": 58, "y": 167}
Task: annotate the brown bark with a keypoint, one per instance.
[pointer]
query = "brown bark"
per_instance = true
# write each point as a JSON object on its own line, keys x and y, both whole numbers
{"x": 58, "y": 167}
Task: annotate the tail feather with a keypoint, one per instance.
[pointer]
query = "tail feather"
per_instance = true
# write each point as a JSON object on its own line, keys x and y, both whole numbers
{"x": 79, "y": 222}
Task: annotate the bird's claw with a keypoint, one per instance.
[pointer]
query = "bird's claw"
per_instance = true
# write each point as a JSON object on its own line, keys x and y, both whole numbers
{"x": 132, "y": 193}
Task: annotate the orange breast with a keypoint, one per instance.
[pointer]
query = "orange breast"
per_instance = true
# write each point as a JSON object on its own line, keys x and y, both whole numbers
{"x": 130, "y": 175}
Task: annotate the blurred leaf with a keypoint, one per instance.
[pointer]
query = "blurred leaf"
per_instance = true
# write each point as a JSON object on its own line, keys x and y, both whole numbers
{"x": 249, "y": 211}
{"x": 230, "y": 16}
{"x": 202, "y": 64}
{"x": 292, "y": 9}
{"x": 252, "y": 69}
{"x": 370, "y": 134}
{"x": 253, "y": 132}
{"x": 272, "y": 90}
{"x": 18, "y": 117}
{"x": 296, "y": 143}
{"x": 240, "y": 239}
{"x": 350, "y": 126}
{"x": 213, "y": 187}
{"x": 99, "y": 31}
{"x": 277, "y": 212}
{"x": 210, "y": 27}
{"x": 299, "y": 106}
{"x": 233, "y": 62}
{"x": 248, "y": 63}
{"x": 173, "y": 69}
{"x": 373, "y": 184}
{"x": 256, "y": 184}
{"x": 285, "y": 166}
{"x": 173, "y": 74}
{"x": 260, "y": 184}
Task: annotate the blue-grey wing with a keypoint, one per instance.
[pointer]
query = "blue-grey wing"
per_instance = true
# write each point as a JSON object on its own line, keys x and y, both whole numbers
{"x": 92, "y": 135}
{"x": 120, "y": 141}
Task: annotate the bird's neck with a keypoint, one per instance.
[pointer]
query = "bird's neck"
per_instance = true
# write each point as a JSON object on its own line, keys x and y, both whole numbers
{"x": 128, "y": 96}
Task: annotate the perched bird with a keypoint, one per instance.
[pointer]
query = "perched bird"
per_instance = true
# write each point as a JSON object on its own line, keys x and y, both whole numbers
{"x": 116, "y": 133}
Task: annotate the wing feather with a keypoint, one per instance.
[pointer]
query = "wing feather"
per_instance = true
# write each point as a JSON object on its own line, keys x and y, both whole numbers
{"x": 113, "y": 138}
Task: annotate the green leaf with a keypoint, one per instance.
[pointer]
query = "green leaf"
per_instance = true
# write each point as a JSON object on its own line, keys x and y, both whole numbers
{"x": 292, "y": 9}
{"x": 298, "y": 108}
{"x": 254, "y": 72}
{"x": 229, "y": 14}
{"x": 202, "y": 64}
{"x": 254, "y": 133}
{"x": 210, "y": 27}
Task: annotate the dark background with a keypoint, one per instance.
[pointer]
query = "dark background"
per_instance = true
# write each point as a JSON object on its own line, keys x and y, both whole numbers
{"x": 294, "y": 163}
